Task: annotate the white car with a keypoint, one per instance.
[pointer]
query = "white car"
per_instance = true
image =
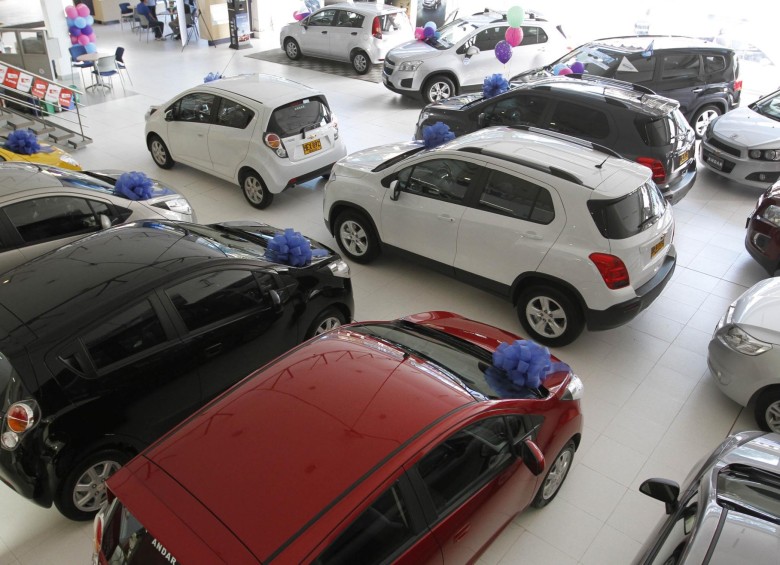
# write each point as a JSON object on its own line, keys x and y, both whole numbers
{"x": 464, "y": 54}
{"x": 570, "y": 232}
{"x": 263, "y": 132}
{"x": 43, "y": 208}
{"x": 359, "y": 33}
{"x": 744, "y": 353}
{"x": 744, "y": 145}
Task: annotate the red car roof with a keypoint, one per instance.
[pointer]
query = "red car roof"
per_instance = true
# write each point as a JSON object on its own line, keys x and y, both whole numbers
{"x": 298, "y": 434}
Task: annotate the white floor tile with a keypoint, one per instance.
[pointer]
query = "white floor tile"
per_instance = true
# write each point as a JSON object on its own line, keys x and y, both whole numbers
{"x": 611, "y": 547}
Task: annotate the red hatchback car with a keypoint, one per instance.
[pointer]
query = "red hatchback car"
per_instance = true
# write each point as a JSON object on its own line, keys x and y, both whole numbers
{"x": 372, "y": 443}
{"x": 762, "y": 239}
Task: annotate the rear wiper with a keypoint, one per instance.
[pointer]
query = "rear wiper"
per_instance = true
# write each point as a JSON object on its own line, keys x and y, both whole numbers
{"x": 648, "y": 221}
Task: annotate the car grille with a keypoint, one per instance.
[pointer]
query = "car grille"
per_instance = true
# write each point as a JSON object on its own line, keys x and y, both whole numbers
{"x": 723, "y": 147}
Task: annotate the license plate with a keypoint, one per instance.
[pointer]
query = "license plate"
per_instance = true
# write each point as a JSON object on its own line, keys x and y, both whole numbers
{"x": 715, "y": 162}
{"x": 684, "y": 157}
{"x": 656, "y": 248}
{"x": 312, "y": 146}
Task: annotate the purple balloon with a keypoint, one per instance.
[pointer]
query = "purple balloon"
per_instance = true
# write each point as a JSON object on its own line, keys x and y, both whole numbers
{"x": 429, "y": 32}
{"x": 74, "y": 31}
{"x": 86, "y": 30}
{"x": 503, "y": 51}
{"x": 578, "y": 68}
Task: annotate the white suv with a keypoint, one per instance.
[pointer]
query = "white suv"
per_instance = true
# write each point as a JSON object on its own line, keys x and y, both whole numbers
{"x": 463, "y": 55}
{"x": 570, "y": 232}
{"x": 264, "y": 132}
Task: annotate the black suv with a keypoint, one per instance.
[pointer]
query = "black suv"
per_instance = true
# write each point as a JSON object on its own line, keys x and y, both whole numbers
{"x": 703, "y": 77}
{"x": 629, "y": 119}
{"x": 108, "y": 342}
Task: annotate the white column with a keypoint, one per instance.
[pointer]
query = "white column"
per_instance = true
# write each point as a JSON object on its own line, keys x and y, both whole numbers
{"x": 57, "y": 28}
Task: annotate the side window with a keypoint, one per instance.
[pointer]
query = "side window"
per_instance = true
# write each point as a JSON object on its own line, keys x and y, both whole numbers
{"x": 681, "y": 66}
{"x": 579, "y": 121}
{"x": 375, "y": 535}
{"x": 714, "y": 63}
{"x": 517, "y": 110}
{"x": 349, "y": 19}
{"x": 195, "y": 107}
{"x": 636, "y": 68}
{"x": 533, "y": 35}
{"x": 52, "y": 217}
{"x": 136, "y": 329}
{"x": 512, "y": 196}
{"x": 212, "y": 297}
{"x": 678, "y": 537}
{"x": 487, "y": 38}
{"x": 233, "y": 115}
{"x": 462, "y": 463}
{"x": 443, "y": 179}
{"x": 323, "y": 18}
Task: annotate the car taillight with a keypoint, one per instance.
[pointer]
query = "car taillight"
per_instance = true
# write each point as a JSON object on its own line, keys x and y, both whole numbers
{"x": 98, "y": 539}
{"x": 274, "y": 142}
{"x": 738, "y": 85}
{"x": 376, "y": 28}
{"x": 612, "y": 270}
{"x": 659, "y": 172}
{"x": 20, "y": 418}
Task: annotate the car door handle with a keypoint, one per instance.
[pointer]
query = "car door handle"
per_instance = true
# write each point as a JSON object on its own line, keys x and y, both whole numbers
{"x": 531, "y": 235}
{"x": 460, "y": 534}
{"x": 697, "y": 90}
{"x": 324, "y": 33}
{"x": 446, "y": 217}
{"x": 353, "y": 33}
{"x": 213, "y": 350}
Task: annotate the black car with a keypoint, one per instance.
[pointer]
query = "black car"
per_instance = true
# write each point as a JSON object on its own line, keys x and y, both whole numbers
{"x": 108, "y": 342}
{"x": 629, "y": 119}
{"x": 703, "y": 77}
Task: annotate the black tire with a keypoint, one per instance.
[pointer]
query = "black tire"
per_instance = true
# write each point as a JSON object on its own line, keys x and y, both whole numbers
{"x": 556, "y": 475}
{"x": 550, "y": 316}
{"x": 255, "y": 191}
{"x": 160, "y": 153}
{"x": 356, "y": 237}
{"x": 703, "y": 117}
{"x": 292, "y": 49}
{"x": 768, "y": 410}
{"x": 438, "y": 88}
{"x": 325, "y": 321}
{"x": 360, "y": 62}
{"x": 81, "y": 494}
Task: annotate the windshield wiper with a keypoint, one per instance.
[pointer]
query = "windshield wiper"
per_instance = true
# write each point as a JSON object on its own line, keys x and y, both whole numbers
{"x": 648, "y": 221}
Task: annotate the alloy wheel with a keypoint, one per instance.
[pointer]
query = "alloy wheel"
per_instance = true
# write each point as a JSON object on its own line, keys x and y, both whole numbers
{"x": 556, "y": 475}
{"x": 546, "y": 316}
{"x": 354, "y": 237}
{"x": 90, "y": 490}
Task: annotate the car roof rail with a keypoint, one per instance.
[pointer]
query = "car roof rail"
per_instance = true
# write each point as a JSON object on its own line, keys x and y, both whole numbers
{"x": 555, "y": 171}
{"x": 589, "y": 144}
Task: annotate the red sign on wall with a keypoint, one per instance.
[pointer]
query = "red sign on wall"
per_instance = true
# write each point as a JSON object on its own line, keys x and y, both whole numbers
{"x": 39, "y": 88}
{"x": 11, "y": 78}
{"x": 66, "y": 97}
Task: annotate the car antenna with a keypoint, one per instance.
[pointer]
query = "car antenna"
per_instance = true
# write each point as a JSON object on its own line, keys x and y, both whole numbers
{"x": 602, "y": 163}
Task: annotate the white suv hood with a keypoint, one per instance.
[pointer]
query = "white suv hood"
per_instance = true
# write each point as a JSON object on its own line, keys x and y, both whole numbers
{"x": 413, "y": 50}
{"x": 750, "y": 129}
{"x": 365, "y": 161}
{"x": 757, "y": 311}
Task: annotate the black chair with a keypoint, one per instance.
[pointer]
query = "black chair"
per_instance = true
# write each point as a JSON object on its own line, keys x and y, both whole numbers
{"x": 120, "y": 64}
{"x": 126, "y": 15}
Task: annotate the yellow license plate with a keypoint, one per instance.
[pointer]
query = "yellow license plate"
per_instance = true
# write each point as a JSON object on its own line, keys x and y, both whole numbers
{"x": 684, "y": 158}
{"x": 312, "y": 146}
{"x": 656, "y": 248}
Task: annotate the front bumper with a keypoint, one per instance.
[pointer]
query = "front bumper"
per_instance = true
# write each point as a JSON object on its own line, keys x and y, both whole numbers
{"x": 733, "y": 163}
{"x": 737, "y": 375}
{"x": 12, "y": 474}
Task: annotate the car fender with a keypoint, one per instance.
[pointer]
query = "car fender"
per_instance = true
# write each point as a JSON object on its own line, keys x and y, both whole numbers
{"x": 340, "y": 206}
{"x": 761, "y": 387}
{"x": 445, "y": 71}
{"x": 713, "y": 99}
{"x": 533, "y": 278}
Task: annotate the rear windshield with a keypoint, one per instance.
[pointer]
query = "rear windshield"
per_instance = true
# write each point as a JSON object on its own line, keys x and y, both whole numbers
{"x": 630, "y": 215}
{"x": 662, "y": 131}
{"x": 126, "y": 541}
{"x": 300, "y": 116}
{"x": 397, "y": 22}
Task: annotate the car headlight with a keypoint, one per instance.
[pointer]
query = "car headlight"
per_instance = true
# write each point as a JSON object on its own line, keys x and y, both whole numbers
{"x": 410, "y": 66}
{"x": 771, "y": 214}
{"x": 69, "y": 160}
{"x": 737, "y": 339}
{"x": 574, "y": 388}
{"x": 423, "y": 116}
{"x": 765, "y": 154}
{"x": 178, "y": 205}
{"x": 339, "y": 269}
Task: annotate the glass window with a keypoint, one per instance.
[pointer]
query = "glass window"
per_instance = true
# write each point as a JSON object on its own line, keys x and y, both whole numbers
{"x": 681, "y": 66}
{"x": 195, "y": 107}
{"x": 533, "y": 35}
{"x": 215, "y": 296}
{"x": 233, "y": 115}
{"x": 516, "y": 110}
{"x": 486, "y": 39}
{"x": 637, "y": 69}
{"x": 375, "y": 535}
{"x": 677, "y": 541}
{"x": 52, "y": 217}
{"x": 513, "y": 196}
{"x": 126, "y": 541}
{"x": 349, "y": 19}
{"x": 397, "y": 22}
{"x": 322, "y": 18}
{"x": 33, "y": 42}
{"x": 714, "y": 63}
{"x": 443, "y": 179}
{"x": 579, "y": 121}
{"x": 136, "y": 329}
{"x": 300, "y": 116}
{"x": 629, "y": 215}
{"x": 465, "y": 461}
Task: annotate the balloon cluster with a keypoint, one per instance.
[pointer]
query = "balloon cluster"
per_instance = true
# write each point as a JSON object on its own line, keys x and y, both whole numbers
{"x": 80, "y": 26}
{"x": 513, "y": 36}
{"x": 560, "y": 69}
{"x": 428, "y": 31}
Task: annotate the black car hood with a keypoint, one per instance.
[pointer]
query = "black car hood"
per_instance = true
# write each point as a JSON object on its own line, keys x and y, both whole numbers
{"x": 262, "y": 234}
{"x": 455, "y": 102}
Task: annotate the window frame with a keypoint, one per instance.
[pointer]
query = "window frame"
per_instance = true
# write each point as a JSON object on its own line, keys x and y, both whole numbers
{"x": 175, "y": 108}
{"x": 317, "y": 13}
{"x": 223, "y": 100}
{"x": 467, "y": 199}
{"x": 479, "y": 205}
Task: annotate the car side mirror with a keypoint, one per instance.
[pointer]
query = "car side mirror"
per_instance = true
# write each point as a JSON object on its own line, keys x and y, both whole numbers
{"x": 169, "y": 115}
{"x": 395, "y": 186}
{"x": 276, "y": 300}
{"x": 531, "y": 455}
{"x": 664, "y": 490}
{"x": 471, "y": 51}
{"x": 482, "y": 120}
{"x": 105, "y": 221}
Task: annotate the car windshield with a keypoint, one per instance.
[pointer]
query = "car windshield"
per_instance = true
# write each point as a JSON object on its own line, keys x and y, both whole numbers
{"x": 296, "y": 118}
{"x": 768, "y": 106}
{"x": 750, "y": 490}
{"x": 126, "y": 542}
{"x": 598, "y": 60}
{"x": 451, "y": 33}
{"x": 629, "y": 215}
{"x": 73, "y": 179}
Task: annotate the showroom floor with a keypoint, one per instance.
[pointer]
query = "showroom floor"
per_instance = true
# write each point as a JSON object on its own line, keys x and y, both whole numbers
{"x": 651, "y": 409}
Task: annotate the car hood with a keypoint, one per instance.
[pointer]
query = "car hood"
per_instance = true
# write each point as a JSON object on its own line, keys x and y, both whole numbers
{"x": 412, "y": 50}
{"x": 454, "y": 102}
{"x": 159, "y": 190}
{"x": 262, "y": 234}
{"x": 757, "y": 311}
{"x": 367, "y": 160}
{"x": 748, "y": 128}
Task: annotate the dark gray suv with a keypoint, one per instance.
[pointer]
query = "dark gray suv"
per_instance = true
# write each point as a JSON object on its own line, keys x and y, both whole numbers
{"x": 629, "y": 119}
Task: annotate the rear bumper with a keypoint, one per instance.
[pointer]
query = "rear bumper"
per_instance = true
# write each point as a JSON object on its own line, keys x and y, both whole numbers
{"x": 624, "y": 312}
{"x": 13, "y": 475}
{"x": 676, "y": 190}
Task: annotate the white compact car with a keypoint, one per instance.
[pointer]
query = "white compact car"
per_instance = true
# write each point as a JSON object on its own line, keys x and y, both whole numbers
{"x": 570, "y": 232}
{"x": 464, "y": 54}
{"x": 359, "y": 33}
{"x": 263, "y": 132}
{"x": 43, "y": 208}
{"x": 744, "y": 353}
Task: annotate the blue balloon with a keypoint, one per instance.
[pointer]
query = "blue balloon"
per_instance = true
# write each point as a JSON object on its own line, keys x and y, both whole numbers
{"x": 79, "y": 22}
{"x": 90, "y": 20}
{"x": 431, "y": 25}
{"x": 70, "y": 21}
{"x": 91, "y": 48}
{"x": 557, "y": 68}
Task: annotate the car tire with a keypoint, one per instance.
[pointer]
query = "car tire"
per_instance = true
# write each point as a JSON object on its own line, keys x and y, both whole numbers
{"x": 356, "y": 237}
{"x": 550, "y": 316}
{"x": 326, "y": 320}
{"x": 360, "y": 62}
{"x": 438, "y": 88}
{"x": 292, "y": 49}
{"x": 703, "y": 117}
{"x": 555, "y": 477}
{"x": 160, "y": 153}
{"x": 83, "y": 491}
{"x": 768, "y": 410}
{"x": 255, "y": 191}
